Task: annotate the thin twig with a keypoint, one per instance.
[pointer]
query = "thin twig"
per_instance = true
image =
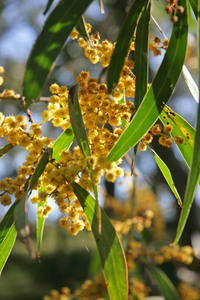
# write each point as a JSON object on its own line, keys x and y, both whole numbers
{"x": 162, "y": 32}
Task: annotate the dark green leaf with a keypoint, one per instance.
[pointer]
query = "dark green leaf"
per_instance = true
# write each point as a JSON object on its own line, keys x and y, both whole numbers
{"x": 5, "y": 149}
{"x": 166, "y": 287}
{"x": 40, "y": 167}
{"x": 141, "y": 56}
{"x": 77, "y": 121}
{"x": 109, "y": 247}
{"x": 159, "y": 92}
{"x": 6, "y": 222}
{"x": 48, "y": 6}
{"x": 57, "y": 28}
{"x": 193, "y": 177}
{"x": 64, "y": 141}
{"x": 81, "y": 28}
{"x": 167, "y": 174}
{"x": 123, "y": 43}
{"x": 194, "y": 6}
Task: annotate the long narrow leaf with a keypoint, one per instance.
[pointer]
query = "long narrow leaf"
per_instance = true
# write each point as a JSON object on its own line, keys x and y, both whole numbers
{"x": 123, "y": 42}
{"x": 6, "y": 222}
{"x": 40, "y": 230}
{"x": 194, "y": 6}
{"x": 5, "y": 149}
{"x": 109, "y": 247}
{"x": 141, "y": 55}
{"x": 6, "y": 246}
{"x": 77, "y": 121}
{"x": 193, "y": 88}
{"x": 167, "y": 174}
{"x": 166, "y": 287}
{"x": 57, "y": 28}
{"x": 181, "y": 128}
{"x": 81, "y": 136}
{"x": 64, "y": 141}
{"x": 160, "y": 90}
{"x": 7, "y": 236}
{"x": 195, "y": 166}
{"x": 81, "y": 28}
{"x": 49, "y": 3}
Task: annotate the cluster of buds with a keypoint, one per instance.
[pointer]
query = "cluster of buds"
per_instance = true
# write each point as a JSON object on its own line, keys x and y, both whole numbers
{"x": 173, "y": 8}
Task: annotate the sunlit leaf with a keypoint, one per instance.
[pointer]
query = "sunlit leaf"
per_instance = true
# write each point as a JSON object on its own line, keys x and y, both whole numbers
{"x": 7, "y": 236}
{"x": 141, "y": 55}
{"x": 5, "y": 149}
{"x": 40, "y": 230}
{"x": 166, "y": 287}
{"x": 193, "y": 177}
{"x": 123, "y": 42}
{"x": 181, "y": 128}
{"x": 57, "y": 28}
{"x": 159, "y": 92}
{"x": 109, "y": 247}
{"x": 77, "y": 121}
{"x": 6, "y": 246}
{"x": 167, "y": 174}
{"x": 64, "y": 141}
{"x": 193, "y": 88}
{"x": 101, "y": 7}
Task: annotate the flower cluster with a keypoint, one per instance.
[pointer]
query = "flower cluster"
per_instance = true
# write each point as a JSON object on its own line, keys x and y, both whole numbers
{"x": 156, "y": 45}
{"x": 165, "y": 139}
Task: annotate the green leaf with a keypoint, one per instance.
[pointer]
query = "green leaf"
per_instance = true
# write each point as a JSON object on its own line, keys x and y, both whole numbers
{"x": 193, "y": 177}
{"x": 6, "y": 246}
{"x": 109, "y": 247}
{"x": 5, "y": 149}
{"x": 62, "y": 142}
{"x": 57, "y": 28}
{"x": 194, "y": 6}
{"x": 141, "y": 55}
{"x": 7, "y": 222}
{"x": 166, "y": 287}
{"x": 81, "y": 28}
{"x": 40, "y": 167}
{"x": 48, "y": 6}
{"x": 180, "y": 127}
{"x": 159, "y": 92}
{"x": 7, "y": 236}
{"x": 123, "y": 43}
{"x": 40, "y": 230}
{"x": 167, "y": 174}
{"x": 77, "y": 121}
